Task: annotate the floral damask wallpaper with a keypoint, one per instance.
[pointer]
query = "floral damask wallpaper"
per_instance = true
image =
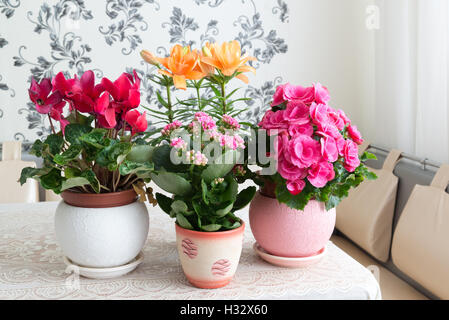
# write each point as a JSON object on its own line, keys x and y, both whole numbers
{"x": 40, "y": 38}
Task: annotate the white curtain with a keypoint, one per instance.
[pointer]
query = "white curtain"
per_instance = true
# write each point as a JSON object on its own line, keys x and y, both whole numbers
{"x": 411, "y": 71}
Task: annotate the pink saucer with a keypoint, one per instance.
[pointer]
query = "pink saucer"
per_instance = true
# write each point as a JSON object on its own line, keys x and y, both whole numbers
{"x": 287, "y": 261}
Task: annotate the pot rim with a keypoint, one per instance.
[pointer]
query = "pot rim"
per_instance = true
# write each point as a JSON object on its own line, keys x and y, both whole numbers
{"x": 99, "y": 200}
{"x": 212, "y": 234}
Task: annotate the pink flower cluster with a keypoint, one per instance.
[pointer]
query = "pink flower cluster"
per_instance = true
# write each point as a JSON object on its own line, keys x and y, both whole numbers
{"x": 197, "y": 158}
{"x": 231, "y": 141}
{"x": 168, "y": 129}
{"x": 312, "y": 136}
{"x": 230, "y": 122}
{"x": 178, "y": 143}
{"x": 206, "y": 121}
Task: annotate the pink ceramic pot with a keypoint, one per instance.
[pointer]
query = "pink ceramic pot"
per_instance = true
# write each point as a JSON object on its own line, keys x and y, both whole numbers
{"x": 287, "y": 232}
{"x": 209, "y": 259}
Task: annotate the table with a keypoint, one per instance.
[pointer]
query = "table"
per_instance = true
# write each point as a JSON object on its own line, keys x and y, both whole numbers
{"x": 31, "y": 267}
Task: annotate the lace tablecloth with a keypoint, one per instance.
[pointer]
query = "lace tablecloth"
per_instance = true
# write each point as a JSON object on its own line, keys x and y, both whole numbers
{"x": 31, "y": 267}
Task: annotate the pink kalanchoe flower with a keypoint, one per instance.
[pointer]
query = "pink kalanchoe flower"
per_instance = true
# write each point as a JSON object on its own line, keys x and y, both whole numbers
{"x": 206, "y": 121}
{"x": 295, "y": 187}
{"x": 231, "y": 141}
{"x": 230, "y": 122}
{"x": 137, "y": 121}
{"x": 41, "y": 97}
{"x": 178, "y": 143}
{"x": 321, "y": 173}
{"x": 167, "y": 130}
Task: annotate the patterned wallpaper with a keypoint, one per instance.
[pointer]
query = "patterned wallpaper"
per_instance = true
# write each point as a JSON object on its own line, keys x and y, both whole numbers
{"x": 40, "y": 38}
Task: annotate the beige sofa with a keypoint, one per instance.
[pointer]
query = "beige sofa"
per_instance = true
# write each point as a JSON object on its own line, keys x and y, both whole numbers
{"x": 396, "y": 281}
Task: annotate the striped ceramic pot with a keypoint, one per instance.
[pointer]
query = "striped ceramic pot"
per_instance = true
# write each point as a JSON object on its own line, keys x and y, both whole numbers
{"x": 209, "y": 259}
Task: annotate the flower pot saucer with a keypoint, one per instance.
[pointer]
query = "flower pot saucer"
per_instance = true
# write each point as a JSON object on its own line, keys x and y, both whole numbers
{"x": 104, "y": 273}
{"x": 289, "y": 262}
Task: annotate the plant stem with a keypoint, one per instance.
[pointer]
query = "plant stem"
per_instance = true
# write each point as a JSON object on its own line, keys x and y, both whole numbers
{"x": 198, "y": 95}
{"x": 223, "y": 93}
{"x": 51, "y": 125}
{"x": 169, "y": 105}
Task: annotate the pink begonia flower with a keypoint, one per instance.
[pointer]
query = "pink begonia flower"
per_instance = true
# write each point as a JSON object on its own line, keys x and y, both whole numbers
{"x": 343, "y": 116}
{"x": 328, "y": 130}
{"x": 335, "y": 118}
{"x": 354, "y": 134}
{"x": 305, "y": 129}
{"x": 351, "y": 155}
{"x": 321, "y": 93}
{"x": 137, "y": 121}
{"x": 319, "y": 114}
{"x": 303, "y": 94}
{"x": 296, "y": 113}
{"x": 289, "y": 171}
{"x": 329, "y": 149}
{"x": 278, "y": 97}
{"x": 295, "y": 187}
{"x": 321, "y": 173}
{"x": 303, "y": 151}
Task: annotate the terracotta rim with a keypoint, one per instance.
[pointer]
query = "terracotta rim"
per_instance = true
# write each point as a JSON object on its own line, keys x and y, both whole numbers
{"x": 268, "y": 189}
{"x": 99, "y": 200}
{"x": 213, "y": 234}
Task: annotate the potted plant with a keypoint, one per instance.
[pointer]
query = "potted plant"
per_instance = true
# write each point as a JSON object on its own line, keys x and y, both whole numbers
{"x": 197, "y": 162}
{"x": 293, "y": 215}
{"x": 98, "y": 162}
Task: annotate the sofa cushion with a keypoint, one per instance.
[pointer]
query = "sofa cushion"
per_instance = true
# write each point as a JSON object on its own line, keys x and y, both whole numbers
{"x": 366, "y": 215}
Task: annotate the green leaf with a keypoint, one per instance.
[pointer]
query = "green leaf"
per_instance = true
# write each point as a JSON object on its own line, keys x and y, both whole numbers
{"x": 95, "y": 138}
{"x": 204, "y": 191}
{"x": 332, "y": 202}
{"x": 92, "y": 178}
{"x": 70, "y": 154}
{"x": 219, "y": 168}
{"x": 211, "y": 227}
{"x": 140, "y": 169}
{"x": 74, "y": 182}
{"x": 368, "y": 156}
{"x": 371, "y": 175}
{"x": 80, "y": 118}
{"x": 140, "y": 153}
{"x": 74, "y": 131}
{"x": 52, "y": 180}
{"x": 164, "y": 202}
{"x": 230, "y": 194}
{"x": 55, "y": 143}
{"x": 225, "y": 210}
{"x": 244, "y": 197}
{"x": 171, "y": 182}
{"x": 179, "y": 206}
{"x": 183, "y": 222}
{"x": 38, "y": 148}
{"x": 32, "y": 173}
{"x": 161, "y": 100}
{"x": 111, "y": 156}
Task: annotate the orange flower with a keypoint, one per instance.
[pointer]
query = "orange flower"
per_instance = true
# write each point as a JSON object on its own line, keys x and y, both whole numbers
{"x": 149, "y": 57}
{"x": 181, "y": 65}
{"x": 227, "y": 58}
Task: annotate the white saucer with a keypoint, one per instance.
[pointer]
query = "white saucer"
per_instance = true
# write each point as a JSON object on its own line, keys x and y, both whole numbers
{"x": 104, "y": 273}
{"x": 289, "y": 262}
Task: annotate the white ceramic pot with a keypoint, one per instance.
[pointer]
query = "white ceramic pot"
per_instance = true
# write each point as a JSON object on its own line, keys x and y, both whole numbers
{"x": 101, "y": 237}
{"x": 209, "y": 259}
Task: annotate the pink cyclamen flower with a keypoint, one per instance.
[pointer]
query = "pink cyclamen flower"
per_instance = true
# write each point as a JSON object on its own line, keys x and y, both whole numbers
{"x": 329, "y": 149}
{"x": 303, "y": 151}
{"x": 355, "y": 134}
{"x": 125, "y": 91}
{"x": 41, "y": 97}
{"x": 321, "y": 173}
{"x": 351, "y": 155}
{"x": 295, "y": 187}
{"x": 137, "y": 121}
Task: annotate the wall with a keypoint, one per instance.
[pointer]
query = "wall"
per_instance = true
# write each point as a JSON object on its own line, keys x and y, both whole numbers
{"x": 297, "y": 41}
